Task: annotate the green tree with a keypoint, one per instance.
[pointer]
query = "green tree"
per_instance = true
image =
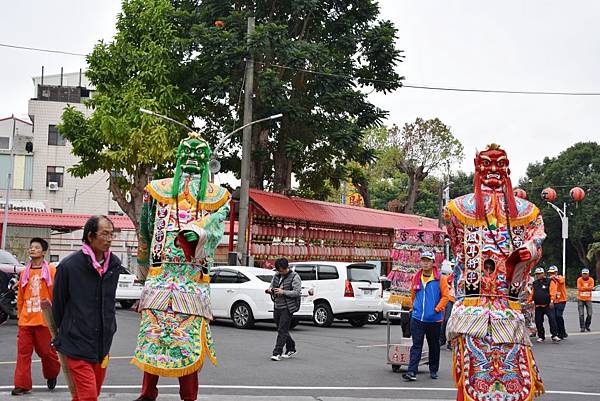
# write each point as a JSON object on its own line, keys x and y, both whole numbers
{"x": 138, "y": 68}
{"x": 325, "y": 114}
{"x": 419, "y": 149}
{"x": 579, "y": 165}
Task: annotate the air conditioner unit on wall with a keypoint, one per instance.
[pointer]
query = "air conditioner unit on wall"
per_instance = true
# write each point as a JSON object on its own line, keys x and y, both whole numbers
{"x": 53, "y": 186}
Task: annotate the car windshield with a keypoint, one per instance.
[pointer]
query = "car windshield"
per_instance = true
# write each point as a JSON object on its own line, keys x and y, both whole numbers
{"x": 363, "y": 273}
{"x": 265, "y": 277}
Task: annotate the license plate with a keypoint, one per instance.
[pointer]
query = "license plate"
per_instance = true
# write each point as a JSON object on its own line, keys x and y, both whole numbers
{"x": 368, "y": 292}
{"x": 123, "y": 285}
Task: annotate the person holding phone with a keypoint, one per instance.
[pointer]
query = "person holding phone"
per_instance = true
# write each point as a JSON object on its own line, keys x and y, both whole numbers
{"x": 285, "y": 290}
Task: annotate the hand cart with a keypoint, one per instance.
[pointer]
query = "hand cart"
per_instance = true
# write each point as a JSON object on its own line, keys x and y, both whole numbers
{"x": 398, "y": 354}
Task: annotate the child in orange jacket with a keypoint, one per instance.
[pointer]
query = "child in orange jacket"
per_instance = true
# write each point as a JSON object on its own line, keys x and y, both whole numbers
{"x": 35, "y": 286}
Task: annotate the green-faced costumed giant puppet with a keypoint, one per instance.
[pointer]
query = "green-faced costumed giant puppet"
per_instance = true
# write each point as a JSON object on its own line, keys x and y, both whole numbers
{"x": 181, "y": 225}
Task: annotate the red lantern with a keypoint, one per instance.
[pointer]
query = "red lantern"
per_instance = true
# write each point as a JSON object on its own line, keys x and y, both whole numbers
{"x": 577, "y": 194}
{"x": 219, "y": 24}
{"x": 520, "y": 193}
{"x": 549, "y": 195}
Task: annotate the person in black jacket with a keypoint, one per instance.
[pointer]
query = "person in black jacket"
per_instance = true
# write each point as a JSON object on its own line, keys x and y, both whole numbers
{"x": 543, "y": 295}
{"x": 285, "y": 289}
{"x": 84, "y": 307}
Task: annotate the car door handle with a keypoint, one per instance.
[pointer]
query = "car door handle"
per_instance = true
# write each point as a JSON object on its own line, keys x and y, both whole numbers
{"x": 230, "y": 291}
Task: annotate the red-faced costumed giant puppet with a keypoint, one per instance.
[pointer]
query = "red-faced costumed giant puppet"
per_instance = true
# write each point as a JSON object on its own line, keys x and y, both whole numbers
{"x": 496, "y": 239}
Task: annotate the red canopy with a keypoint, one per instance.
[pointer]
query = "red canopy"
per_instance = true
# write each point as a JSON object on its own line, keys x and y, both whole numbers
{"x": 306, "y": 210}
{"x": 59, "y": 220}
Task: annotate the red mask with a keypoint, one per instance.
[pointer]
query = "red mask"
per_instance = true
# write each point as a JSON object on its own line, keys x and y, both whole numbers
{"x": 492, "y": 166}
{"x": 491, "y": 170}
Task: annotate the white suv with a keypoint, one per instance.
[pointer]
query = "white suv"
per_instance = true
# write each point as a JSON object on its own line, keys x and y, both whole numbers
{"x": 342, "y": 290}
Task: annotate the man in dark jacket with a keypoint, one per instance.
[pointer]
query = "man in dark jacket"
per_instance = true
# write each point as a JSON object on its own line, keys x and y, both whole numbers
{"x": 543, "y": 295}
{"x": 84, "y": 307}
{"x": 285, "y": 289}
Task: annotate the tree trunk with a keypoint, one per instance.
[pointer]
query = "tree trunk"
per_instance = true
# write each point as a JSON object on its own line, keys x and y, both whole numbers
{"x": 132, "y": 209}
{"x": 413, "y": 187}
{"x": 363, "y": 190}
{"x": 260, "y": 156}
{"x": 580, "y": 250}
{"x": 282, "y": 164}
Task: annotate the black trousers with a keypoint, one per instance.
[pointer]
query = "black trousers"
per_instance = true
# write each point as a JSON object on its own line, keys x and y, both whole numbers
{"x": 421, "y": 330}
{"x": 283, "y": 319}
{"x": 559, "y": 309}
{"x": 540, "y": 311}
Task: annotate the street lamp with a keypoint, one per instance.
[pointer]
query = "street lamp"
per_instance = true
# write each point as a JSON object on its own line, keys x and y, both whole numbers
{"x": 564, "y": 219}
{"x": 549, "y": 195}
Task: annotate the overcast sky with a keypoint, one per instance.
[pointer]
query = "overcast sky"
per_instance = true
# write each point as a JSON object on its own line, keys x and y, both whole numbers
{"x": 509, "y": 45}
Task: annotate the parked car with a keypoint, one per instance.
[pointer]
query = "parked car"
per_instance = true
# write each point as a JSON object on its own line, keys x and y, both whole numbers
{"x": 238, "y": 293}
{"x": 129, "y": 289}
{"x": 596, "y": 294}
{"x": 342, "y": 291}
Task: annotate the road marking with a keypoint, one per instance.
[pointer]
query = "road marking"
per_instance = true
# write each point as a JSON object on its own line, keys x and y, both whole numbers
{"x": 592, "y": 333}
{"x": 37, "y": 360}
{"x": 306, "y": 388}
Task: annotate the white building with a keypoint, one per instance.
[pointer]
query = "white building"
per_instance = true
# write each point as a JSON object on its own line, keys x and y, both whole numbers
{"x": 52, "y": 183}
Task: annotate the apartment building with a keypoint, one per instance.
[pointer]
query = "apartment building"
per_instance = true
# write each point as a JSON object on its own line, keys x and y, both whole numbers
{"x": 52, "y": 157}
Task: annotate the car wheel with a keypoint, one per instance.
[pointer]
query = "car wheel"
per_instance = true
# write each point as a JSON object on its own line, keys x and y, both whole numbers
{"x": 242, "y": 316}
{"x": 322, "y": 315}
{"x": 359, "y": 321}
{"x": 126, "y": 304}
{"x": 375, "y": 318}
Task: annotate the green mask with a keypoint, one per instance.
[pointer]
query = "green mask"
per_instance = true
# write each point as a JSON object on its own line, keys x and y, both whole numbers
{"x": 193, "y": 155}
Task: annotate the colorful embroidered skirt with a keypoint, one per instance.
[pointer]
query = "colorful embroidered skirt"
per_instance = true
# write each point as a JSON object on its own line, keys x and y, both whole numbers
{"x": 484, "y": 371}
{"x": 173, "y": 344}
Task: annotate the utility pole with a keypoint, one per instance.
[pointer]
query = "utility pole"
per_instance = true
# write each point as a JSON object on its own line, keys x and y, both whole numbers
{"x": 246, "y": 151}
{"x": 9, "y": 184}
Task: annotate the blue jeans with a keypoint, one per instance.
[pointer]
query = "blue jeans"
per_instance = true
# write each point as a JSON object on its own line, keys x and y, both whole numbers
{"x": 559, "y": 309}
{"x": 421, "y": 330}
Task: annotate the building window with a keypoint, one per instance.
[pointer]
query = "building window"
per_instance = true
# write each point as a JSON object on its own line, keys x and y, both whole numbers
{"x": 55, "y": 174}
{"x": 54, "y": 136}
{"x": 53, "y": 258}
{"x": 52, "y": 210}
{"x": 4, "y": 143}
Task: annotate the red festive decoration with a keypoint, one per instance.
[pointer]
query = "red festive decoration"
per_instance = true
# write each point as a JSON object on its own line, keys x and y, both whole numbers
{"x": 549, "y": 195}
{"x": 577, "y": 194}
{"x": 520, "y": 193}
{"x": 219, "y": 24}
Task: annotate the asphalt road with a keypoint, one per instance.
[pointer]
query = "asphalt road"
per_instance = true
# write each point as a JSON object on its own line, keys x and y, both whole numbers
{"x": 340, "y": 361}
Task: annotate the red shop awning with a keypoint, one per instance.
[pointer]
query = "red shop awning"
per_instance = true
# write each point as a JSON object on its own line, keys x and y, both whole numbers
{"x": 312, "y": 211}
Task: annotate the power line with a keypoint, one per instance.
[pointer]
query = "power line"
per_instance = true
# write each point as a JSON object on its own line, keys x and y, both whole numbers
{"x": 422, "y": 87}
{"x": 437, "y": 88}
{"x": 42, "y": 50}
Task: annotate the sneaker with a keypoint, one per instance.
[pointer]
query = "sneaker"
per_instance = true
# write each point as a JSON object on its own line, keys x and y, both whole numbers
{"x": 565, "y": 336}
{"x": 409, "y": 377}
{"x": 434, "y": 375}
{"x": 276, "y": 358}
{"x": 51, "y": 383}
{"x": 540, "y": 340}
{"x": 555, "y": 339}
{"x": 19, "y": 391}
{"x": 288, "y": 354}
